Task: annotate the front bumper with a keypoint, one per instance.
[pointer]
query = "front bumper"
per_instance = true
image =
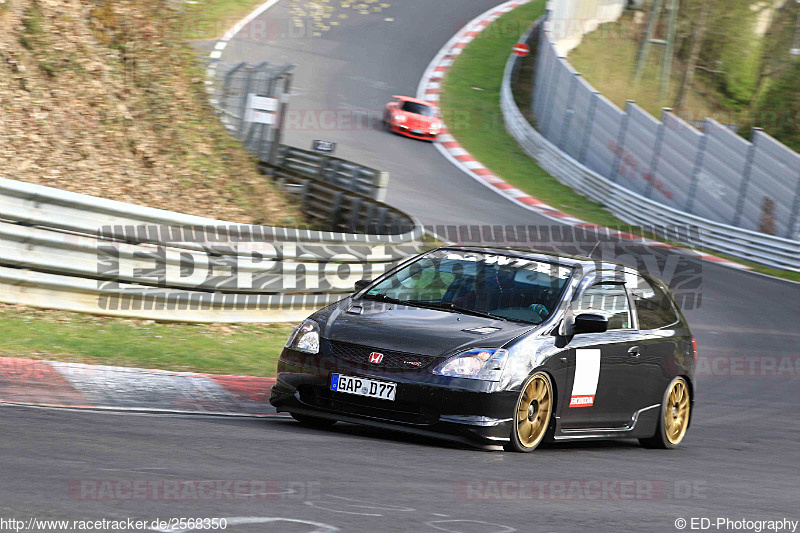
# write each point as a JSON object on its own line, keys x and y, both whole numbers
{"x": 465, "y": 410}
{"x": 414, "y": 134}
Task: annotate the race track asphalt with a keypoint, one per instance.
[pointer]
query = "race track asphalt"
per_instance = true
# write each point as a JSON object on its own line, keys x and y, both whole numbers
{"x": 741, "y": 457}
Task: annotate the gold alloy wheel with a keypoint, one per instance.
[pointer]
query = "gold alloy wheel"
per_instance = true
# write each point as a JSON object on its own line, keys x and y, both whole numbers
{"x": 676, "y": 412}
{"x": 533, "y": 411}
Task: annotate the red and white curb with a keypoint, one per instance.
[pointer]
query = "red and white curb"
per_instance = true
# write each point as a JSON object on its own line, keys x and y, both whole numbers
{"x": 75, "y": 385}
{"x": 430, "y": 88}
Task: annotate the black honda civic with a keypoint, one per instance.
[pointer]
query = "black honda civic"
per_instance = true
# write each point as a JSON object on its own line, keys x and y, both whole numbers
{"x": 497, "y": 347}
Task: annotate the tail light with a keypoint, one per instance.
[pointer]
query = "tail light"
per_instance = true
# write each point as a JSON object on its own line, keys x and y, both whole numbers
{"x": 694, "y": 349}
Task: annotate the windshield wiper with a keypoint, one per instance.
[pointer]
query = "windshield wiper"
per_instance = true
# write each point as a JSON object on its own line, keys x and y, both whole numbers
{"x": 432, "y": 305}
{"x": 382, "y": 298}
{"x": 452, "y": 307}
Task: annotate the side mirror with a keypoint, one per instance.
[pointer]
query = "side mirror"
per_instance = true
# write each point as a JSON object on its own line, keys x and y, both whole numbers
{"x": 362, "y": 284}
{"x": 590, "y": 323}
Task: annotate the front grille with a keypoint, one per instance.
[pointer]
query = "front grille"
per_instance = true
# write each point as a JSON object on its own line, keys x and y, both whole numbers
{"x": 395, "y": 411}
{"x": 356, "y": 353}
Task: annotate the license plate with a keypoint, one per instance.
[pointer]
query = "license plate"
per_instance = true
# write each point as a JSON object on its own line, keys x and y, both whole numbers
{"x": 418, "y": 132}
{"x": 363, "y": 387}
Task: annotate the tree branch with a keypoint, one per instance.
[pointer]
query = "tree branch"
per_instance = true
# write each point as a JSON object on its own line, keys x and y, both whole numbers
{"x": 712, "y": 71}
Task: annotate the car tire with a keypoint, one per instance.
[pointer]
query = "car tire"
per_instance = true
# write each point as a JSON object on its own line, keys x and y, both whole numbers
{"x": 673, "y": 418}
{"x": 533, "y": 414}
{"x": 313, "y": 421}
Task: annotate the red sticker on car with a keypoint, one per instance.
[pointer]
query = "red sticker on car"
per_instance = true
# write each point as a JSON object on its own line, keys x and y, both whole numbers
{"x": 581, "y": 401}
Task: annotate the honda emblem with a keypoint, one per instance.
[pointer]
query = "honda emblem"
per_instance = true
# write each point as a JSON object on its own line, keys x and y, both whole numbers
{"x": 375, "y": 357}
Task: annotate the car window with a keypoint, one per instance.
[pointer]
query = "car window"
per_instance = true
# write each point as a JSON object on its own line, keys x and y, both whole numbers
{"x": 418, "y": 109}
{"x": 503, "y": 286}
{"x": 422, "y": 280}
{"x": 609, "y": 300}
{"x": 653, "y": 306}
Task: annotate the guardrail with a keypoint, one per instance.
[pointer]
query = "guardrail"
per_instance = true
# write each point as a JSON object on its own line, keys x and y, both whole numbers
{"x": 341, "y": 209}
{"x": 628, "y": 206}
{"x": 343, "y": 174}
{"x": 75, "y": 252}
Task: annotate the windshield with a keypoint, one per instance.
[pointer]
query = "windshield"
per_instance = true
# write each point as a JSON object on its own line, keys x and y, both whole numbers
{"x": 418, "y": 109}
{"x": 497, "y": 285}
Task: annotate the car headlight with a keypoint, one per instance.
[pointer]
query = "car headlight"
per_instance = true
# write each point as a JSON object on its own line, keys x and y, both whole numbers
{"x": 480, "y": 363}
{"x": 399, "y": 118}
{"x": 305, "y": 337}
{"x": 436, "y": 126}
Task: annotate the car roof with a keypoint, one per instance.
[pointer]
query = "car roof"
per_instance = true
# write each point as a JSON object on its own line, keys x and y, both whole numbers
{"x": 587, "y": 263}
{"x": 415, "y": 100}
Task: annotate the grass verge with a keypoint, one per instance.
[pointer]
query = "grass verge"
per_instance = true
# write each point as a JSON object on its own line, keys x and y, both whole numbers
{"x": 210, "y": 19}
{"x": 473, "y": 83}
{"x": 241, "y": 349}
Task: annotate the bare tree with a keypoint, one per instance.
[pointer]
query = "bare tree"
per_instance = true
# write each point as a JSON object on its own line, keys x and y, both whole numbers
{"x": 697, "y": 38}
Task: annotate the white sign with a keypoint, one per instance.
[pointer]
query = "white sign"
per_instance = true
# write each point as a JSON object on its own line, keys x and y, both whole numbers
{"x": 261, "y": 109}
{"x": 263, "y": 103}
{"x": 260, "y": 117}
{"x": 326, "y": 147}
{"x": 587, "y": 374}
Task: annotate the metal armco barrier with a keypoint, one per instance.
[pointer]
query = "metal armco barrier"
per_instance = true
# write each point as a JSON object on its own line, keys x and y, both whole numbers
{"x": 327, "y": 205}
{"x": 253, "y": 101}
{"x": 343, "y": 174}
{"x": 566, "y": 142}
{"x": 75, "y": 252}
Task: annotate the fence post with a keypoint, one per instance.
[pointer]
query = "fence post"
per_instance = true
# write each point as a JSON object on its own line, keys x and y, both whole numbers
{"x": 323, "y": 172}
{"x": 538, "y": 77}
{"x": 648, "y": 192}
{"x": 335, "y": 210}
{"x": 748, "y": 171}
{"x": 282, "y": 107}
{"x": 623, "y": 132}
{"x": 252, "y": 131}
{"x": 790, "y": 232}
{"x": 355, "y": 213}
{"x": 265, "y": 141}
{"x": 227, "y": 83}
{"x": 354, "y": 184}
{"x": 245, "y": 98}
{"x": 573, "y": 87}
{"x": 549, "y": 87}
{"x": 587, "y": 134}
{"x": 558, "y": 64}
{"x": 698, "y": 166}
{"x": 381, "y": 184}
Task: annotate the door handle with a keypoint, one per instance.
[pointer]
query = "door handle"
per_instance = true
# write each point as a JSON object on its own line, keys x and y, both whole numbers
{"x": 633, "y": 351}
{"x": 563, "y": 359}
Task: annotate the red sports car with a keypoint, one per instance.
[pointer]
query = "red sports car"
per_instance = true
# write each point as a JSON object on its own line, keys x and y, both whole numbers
{"x": 413, "y": 118}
